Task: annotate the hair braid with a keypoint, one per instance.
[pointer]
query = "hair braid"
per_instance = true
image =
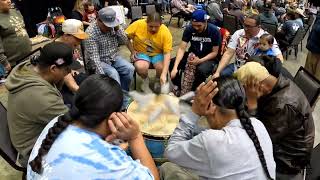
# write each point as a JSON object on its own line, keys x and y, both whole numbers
{"x": 247, "y": 125}
{"x": 53, "y": 133}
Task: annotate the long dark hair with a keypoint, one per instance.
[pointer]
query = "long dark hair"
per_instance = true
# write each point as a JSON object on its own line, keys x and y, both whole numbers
{"x": 97, "y": 98}
{"x": 231, "y": 95}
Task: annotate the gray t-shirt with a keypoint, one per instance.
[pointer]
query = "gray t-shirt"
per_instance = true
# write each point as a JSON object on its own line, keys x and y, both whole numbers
{"x": 226, "y": 154}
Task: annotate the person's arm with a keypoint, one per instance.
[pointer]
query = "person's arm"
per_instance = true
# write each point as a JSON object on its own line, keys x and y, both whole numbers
{"x": 166, "y": 48}
{"x": 185, "y": 150}
{"x": 3, "y": 57}
{"x": 180, "y": 53}
{"x": 225, "y": 60}
{"x": 123, "y": 127}
{"x": 140, "y": 151}
{"x": 92, "y": 53}
{"x": 277, "y": 51}
{"x": 71, "y": 83}
{"x": 211, "y": 55}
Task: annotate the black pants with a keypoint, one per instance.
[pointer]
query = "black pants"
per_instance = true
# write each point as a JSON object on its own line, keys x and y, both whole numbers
{"x": 186, "y": 16}
{"x": 203, "y": 70}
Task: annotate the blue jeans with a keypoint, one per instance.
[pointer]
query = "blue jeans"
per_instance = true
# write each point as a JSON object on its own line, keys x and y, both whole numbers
{"x": 228, "y": 70}
{"x": 121, "y": 71}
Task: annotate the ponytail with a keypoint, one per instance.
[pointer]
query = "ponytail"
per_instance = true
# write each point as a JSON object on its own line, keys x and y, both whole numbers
{"x": 247, "y": 125}
{"x": 53, "y": 133}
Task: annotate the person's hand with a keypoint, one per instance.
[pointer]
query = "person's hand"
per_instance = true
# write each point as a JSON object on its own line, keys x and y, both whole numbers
{"x": 163, "y": 79}
{"x": 133, "y": 56}
{"x": 253, "y": 89}
{"x": 203, "y": 98}
{"x": 122, "y": 127}
{"x": 173, "y": 73}
{"x": 215, "y": 75}
{"x": 195, "y": 60}
{"x": 7, "y": 67}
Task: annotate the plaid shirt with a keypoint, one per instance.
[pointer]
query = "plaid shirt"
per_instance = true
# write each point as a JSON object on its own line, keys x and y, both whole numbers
{"x": 102, "y": 47}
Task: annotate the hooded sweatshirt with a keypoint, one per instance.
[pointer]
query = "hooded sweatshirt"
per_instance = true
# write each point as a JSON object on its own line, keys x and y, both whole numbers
{"x": 32, "y": 103}
{"x": 13, "y": 37}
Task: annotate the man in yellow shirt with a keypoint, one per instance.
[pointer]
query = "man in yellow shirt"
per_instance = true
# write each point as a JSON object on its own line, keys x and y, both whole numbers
{"x": 152, "y": 42}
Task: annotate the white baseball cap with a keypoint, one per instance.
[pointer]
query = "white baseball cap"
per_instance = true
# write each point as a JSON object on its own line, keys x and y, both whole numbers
{"x": 74, "y": 27}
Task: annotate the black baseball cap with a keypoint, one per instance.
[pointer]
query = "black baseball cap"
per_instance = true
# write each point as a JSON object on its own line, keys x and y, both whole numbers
{"x": 57, "y": 53}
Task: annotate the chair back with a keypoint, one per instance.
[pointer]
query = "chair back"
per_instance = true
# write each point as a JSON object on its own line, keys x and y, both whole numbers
{"x": 150, "y": 9}
{"x": 298, "y": 37}
{"x": 270, "y": 28}
{"x": 310, "y": 20}
{"x": 309, "y": 85}
{"x": 7, "y": 151}
{"x": 230, "y": 22}
{"x": 136, "y": 12}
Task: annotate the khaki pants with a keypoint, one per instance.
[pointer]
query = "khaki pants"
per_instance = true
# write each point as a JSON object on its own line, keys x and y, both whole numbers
{"x": 313, "y": 64}
{"x": 171, "y": 171}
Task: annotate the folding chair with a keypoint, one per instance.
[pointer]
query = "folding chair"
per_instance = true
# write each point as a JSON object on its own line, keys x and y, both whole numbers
{"x": 295, "y": 42}
{"x": 150, "y": 9}
{"x": 7, "y": 151}
{"x": 270, "y": 28}
{"x": 136, "y": 13}
{"x": 230, "y": 22}
{"x": 309, "y": 85}
{"x": 177, "y": 15}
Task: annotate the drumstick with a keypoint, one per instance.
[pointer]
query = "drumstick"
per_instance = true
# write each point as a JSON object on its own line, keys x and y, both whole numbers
{"x": 155, "y": 114}
{"x": 170, "y": 104}
{"x": 142, "y": 100}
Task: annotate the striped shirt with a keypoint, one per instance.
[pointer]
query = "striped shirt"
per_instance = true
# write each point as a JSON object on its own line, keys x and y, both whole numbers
{"x": 81, "y": 154}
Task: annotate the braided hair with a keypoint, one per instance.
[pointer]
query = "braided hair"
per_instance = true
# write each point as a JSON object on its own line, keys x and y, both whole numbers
{"x": 231, "y": 95}
{"x": 97, "y": 98}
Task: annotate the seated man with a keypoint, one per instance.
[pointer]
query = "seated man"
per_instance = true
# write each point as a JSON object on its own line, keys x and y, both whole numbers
{"x": 101, "y": 49}
{"x": 73, "y": 34}
{"x": 242, "y": 44}
{"x": 285, "y": 111}
{"x": 205, "y": 40}
{"x": 33, "y": 95}
{"x": 288, "y": 31}
{"x": 14, "y": 40}
{"x": 152, "y": 42}
{"x": 267, "y": 15}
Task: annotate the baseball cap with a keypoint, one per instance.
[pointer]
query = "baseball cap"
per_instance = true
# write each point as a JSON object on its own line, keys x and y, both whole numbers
{"x": 57, "y": 53}
{"x": 251, "y": 71}
{"x": 199, "y": 16}
{"x": 74, "y": 27}
{"x": 108, "y": 17}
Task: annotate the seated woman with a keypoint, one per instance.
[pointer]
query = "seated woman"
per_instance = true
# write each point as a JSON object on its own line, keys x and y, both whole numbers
{"x": 152, "y": 42}
{"x": 180, "y": 7}
{"x": 235, "y": 146}
{"x": 78, "y": 144}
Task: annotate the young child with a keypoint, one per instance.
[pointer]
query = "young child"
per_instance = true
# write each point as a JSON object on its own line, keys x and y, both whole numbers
{"x": 265, "y": 46}
{"x": 90, "y": 14}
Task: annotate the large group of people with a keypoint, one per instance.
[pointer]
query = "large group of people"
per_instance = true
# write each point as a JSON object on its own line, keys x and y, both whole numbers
{"x": 64, "y": 124}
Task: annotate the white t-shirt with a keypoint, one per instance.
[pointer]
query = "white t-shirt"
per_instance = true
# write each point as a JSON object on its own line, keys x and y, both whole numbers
{"x": 244, "y": 46}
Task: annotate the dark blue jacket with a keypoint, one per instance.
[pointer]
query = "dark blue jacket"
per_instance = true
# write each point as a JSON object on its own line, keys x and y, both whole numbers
{"x": 313, "y": 44}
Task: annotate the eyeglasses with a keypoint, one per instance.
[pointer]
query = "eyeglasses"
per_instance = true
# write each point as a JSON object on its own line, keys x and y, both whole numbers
{"x": 246, "y": 26}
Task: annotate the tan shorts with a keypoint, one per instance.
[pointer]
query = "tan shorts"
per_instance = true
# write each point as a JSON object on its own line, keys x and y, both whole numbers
{"x": 313, "y": 64}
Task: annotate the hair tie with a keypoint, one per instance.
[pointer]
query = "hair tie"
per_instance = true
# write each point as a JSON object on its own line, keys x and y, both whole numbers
{"x": 74, "y": 112}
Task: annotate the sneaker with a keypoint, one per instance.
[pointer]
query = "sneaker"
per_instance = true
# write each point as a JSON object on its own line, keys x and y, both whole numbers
{"x": 145, "y": 86}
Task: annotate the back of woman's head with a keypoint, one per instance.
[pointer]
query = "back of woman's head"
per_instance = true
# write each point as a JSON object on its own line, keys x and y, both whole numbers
{"x": 231, "y": 95}
{"x": 97, "y": 98}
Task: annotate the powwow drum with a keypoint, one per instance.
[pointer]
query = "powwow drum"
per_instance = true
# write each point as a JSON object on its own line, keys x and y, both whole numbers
{"x": 157, "y": 122}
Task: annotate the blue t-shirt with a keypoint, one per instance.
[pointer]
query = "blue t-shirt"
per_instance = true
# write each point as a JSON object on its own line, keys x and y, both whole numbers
{"x": 268, "y": 52}
{"x": 202, "y": 43}
{"x": 81, "y": 154}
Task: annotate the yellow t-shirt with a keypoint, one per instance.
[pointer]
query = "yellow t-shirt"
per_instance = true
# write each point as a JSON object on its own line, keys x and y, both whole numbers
{"x": 150, "y": 44}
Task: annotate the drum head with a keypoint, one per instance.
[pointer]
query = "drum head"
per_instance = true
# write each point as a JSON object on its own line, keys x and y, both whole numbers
{"x": 165, "y": 123}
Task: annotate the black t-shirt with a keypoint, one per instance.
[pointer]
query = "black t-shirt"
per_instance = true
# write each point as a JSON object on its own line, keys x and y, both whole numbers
{"x": 202, "y": 43}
